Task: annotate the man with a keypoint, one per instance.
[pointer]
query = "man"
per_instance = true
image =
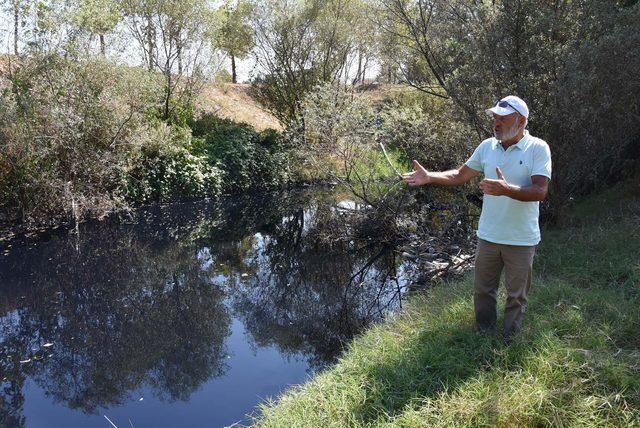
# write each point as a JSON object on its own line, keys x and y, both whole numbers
{"x": 517, "y": 169}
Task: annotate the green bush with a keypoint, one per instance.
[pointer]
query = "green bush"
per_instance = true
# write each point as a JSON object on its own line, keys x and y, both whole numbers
{"x": 67, "y": 132}
{"x": 423, "y": 129}
{"x": 248, "y": 159}
{"x": 166, "y": 169}
{"x": 82, "y": 139}
{"x": 343, "y": 129}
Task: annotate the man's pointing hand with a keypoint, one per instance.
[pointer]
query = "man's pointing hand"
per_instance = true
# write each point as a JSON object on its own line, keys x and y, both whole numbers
{"x": 418, "y": 177}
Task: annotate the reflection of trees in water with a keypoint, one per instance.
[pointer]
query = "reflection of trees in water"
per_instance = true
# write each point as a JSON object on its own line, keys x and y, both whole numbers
{"x": 309, "y": 294}
{"x": 141, "y": 305}
{"x": 11, "y": 381}
{"x": 121, "y": 315}
{"x": 133, "y": 307}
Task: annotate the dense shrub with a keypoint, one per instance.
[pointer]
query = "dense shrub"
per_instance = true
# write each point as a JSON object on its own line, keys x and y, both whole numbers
{"x": 81, "y": 139}
{"x": 67, "y": 132}
{"x": 248, "y": 159}
{"x": 165, "y": 169}
{"x": 424, "y": 129}
{"x": 338, "y": 138}
{"x": 345, "y": 127}
{"x": 301, "y": 44}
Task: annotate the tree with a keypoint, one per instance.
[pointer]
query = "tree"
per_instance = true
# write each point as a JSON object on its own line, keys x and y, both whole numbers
{"x": 18, "y": 10}
{"x": 234, "y": 35}
{"x": 97, "y": 17}
{"x": 299, "y": 45}
{"x": 555, "y": 55}
{"x": 139, "y": 18}
{"x": 68, "y": 132}
{"x": 369, "y": 41}
{"x": 173, "y": 36}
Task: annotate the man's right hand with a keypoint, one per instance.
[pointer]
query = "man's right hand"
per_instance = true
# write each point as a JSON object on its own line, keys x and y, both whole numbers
{"x": 418, "y": 177}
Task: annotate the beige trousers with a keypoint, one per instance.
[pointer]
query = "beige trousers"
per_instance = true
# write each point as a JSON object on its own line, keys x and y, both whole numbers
{"x": 517, "y": 262}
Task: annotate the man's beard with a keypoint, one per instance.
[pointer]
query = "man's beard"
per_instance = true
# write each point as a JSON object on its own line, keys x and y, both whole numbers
{"x": 509, "y": 133}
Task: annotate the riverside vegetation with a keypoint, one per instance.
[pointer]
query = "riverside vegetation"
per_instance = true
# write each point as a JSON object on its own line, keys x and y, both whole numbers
{"x": 84, "y": 135}
{"x": 575, "y": 363}
{"x": 87, "y": 139}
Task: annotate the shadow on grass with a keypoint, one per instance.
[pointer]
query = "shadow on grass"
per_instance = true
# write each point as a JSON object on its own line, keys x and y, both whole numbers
{"x": 437, "y": 361}
{"x": 448, "y": 356}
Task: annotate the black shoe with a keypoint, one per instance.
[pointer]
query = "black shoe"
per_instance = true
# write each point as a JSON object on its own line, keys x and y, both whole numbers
{"x": 485, "y": 330}
{"x": 508, "y": 339}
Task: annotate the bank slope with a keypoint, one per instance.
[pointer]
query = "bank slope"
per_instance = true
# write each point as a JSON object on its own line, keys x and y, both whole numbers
{"x": 576, "y": 362}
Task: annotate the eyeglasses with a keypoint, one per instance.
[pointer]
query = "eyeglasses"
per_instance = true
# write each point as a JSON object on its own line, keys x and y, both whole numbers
{"x": 504, "y": 104}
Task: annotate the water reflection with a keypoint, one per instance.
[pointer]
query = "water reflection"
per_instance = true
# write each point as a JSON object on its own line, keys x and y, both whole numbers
{"x": 149, "y": 303}
{"x": 120, "y": 313}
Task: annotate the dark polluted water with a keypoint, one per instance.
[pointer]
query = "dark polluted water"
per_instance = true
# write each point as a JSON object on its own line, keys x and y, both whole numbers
{"x": 188, "y": 315}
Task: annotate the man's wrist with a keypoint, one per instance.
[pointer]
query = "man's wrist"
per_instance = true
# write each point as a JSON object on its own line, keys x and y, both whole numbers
{"x": 428, "y": 179}
{"x": 511, "y": 190}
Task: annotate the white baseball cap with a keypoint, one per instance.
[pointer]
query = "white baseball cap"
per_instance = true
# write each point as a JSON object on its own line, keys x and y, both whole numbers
{"x": 508, "y": 105}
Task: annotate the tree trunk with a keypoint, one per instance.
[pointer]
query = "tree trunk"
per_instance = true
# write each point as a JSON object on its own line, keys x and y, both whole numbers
{"x": 150, "y": 43}
{"x": 16, "y": 26}
{"x": 234, "y": 77}
{"x": 102, "y": 47}
{"x": 359, "y": 74}
{"x": 168, "y": 91}
{"x": 176, "y": 30}
{"x": 364, "y": 69}
{"x": 346, "y": 74}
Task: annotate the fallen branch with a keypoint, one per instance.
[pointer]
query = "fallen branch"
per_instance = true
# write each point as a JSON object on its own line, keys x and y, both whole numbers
{"x": 389, "y": 161}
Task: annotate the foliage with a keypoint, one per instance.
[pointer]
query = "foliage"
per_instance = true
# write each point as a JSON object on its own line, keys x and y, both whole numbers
{"x": 166, "y": 169}
{"x": 83, "y": 139}
{"x": 335, "y": 115}
{"x": 248, "y": 159}
{"x": 299, "y": 45}
{"x": 344, "y": 131}
{"x": 68, "y": 129}
{"x": 234, "y": 34}
{"x": 340, "y": 132}
{"x": 97, "y": 17}
{"x": 223, "y": 76}
{"x": 572, "y": 62}
{"x": 425, "y": 129}
{"x": 17, "y": 9}
{"x": 366, "y": 40}
{"x": 173, "y": 37}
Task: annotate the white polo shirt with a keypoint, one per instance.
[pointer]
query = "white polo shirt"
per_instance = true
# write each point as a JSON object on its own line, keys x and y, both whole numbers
{"x": 505, "y": 220}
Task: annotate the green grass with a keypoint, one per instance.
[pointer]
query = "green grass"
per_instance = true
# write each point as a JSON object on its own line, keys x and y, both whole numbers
{"x": 575, "y": 363}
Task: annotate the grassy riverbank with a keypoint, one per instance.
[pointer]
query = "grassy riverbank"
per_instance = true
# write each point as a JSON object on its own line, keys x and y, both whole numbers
{"x": 576, "y": 362}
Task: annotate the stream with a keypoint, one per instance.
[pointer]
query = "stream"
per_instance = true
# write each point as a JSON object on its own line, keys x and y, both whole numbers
{"x": 185, "y": 314}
